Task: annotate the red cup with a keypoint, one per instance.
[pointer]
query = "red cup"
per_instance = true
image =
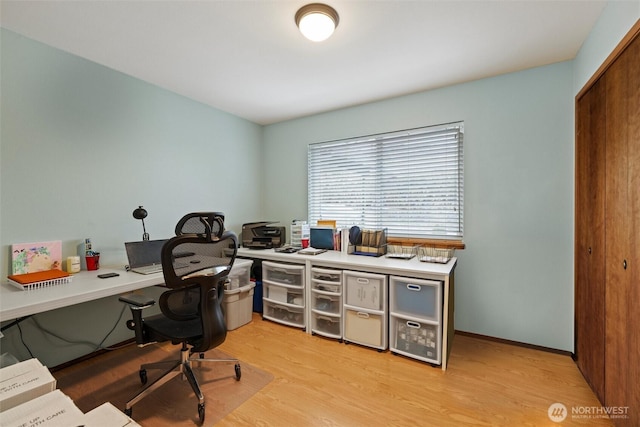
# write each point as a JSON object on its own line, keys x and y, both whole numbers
{"x": 305, "y": 243}
{"x": 93, "y": 262}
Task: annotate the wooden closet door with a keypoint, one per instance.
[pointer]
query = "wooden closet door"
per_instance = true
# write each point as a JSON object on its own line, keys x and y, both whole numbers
{"x": 622, "y": 374}
{"x": 590, "y": 249}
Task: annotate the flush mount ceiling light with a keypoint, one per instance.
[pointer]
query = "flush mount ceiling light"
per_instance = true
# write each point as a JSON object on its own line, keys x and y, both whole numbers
{"x": 317, "y": 21}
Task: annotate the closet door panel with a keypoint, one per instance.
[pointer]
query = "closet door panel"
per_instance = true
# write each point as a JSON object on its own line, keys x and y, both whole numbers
{"x": 621, "y": 352}
{"x": 590, "y": 276}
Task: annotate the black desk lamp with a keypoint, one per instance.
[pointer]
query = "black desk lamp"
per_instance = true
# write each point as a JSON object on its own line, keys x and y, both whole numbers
{"x": 141, "y": 214}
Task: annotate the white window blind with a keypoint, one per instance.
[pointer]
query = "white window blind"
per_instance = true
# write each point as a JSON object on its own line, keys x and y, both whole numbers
{"x": 410, "y": 182}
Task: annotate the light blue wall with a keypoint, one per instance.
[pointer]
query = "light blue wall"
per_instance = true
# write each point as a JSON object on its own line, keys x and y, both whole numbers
{"x": 514, "y": 279}
{"x": 615, "y": 21}
{"x": 81, "y": 146}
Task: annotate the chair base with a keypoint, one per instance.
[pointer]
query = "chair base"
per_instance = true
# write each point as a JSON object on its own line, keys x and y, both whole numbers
{"x": 174, "y": 368}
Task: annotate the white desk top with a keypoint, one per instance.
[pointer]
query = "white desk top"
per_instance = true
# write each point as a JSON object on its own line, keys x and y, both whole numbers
{"x": 84, "y": 286}
{"x": 336, "y": 259}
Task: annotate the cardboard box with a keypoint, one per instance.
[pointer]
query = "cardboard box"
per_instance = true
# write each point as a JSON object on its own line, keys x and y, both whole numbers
{"x": 107, "y": 415}
{"x": 24, "y": 381}
{"x": 54, "y": 409}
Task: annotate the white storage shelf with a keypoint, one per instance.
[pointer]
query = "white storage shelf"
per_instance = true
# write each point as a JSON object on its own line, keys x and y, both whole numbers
{"x": 326, "y": 302}
{"x": 365, "y": 309}
{"x": 284, "y": 293}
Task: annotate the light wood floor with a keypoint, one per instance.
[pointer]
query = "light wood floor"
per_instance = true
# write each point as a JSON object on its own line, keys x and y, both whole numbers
{"x": 321, "y": 382}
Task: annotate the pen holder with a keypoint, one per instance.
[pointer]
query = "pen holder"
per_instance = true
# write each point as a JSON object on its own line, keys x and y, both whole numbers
{"x": 93, "y": 262}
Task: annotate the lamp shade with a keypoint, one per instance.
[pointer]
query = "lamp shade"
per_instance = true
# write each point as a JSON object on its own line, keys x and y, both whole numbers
{"x": 317, "y": 21}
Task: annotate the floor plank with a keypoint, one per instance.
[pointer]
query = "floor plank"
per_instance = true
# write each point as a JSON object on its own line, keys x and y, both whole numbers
{"x": 321, "y": 382}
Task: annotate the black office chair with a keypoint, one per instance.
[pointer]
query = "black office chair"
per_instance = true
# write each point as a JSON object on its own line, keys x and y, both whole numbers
{"x": 195, "y": 265}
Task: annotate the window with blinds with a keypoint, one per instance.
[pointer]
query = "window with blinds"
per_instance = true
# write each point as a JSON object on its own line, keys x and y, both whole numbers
{"x": 410, "y": 182}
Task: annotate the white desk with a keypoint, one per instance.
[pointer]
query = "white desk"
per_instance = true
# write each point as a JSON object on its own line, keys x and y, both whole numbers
{"x": 382, "y": 265}
{"x": 84, "y": 286}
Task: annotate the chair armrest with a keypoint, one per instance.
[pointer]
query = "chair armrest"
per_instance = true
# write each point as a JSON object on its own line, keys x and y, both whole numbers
{"x": 137, "y": 301}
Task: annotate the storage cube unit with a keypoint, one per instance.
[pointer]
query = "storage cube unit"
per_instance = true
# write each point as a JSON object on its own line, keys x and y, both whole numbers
{"x": 326, "y": 302}
{"x": 415, "y": 318}
{"x": 238, "y": 304}
{"x": 414, "y": 339}
{"x": 283, "y": 287}
{"x": 365, "y": 309}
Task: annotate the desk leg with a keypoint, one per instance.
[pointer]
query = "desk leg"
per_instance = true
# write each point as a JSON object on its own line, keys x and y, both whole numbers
{"x": 448, "y": 328}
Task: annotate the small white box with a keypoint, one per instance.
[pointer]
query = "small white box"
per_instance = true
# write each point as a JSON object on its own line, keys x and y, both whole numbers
{"x": 107, "y": 415}
{"x": 54, "y": 409}
{"x": 24, "y": 381}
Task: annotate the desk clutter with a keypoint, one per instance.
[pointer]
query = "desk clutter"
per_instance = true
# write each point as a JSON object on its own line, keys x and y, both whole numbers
{"x": 28, "y": 397}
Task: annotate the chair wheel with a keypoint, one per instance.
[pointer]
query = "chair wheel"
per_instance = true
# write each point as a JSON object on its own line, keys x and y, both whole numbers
{"x": 128, "y": 412}
{"x": 238, "y": 371}
{"x": 143, "y": 376}
{"x": 201, "y": 412}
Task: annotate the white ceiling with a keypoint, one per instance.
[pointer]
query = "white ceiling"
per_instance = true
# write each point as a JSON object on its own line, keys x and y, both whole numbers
{"x": 248, "y": 58}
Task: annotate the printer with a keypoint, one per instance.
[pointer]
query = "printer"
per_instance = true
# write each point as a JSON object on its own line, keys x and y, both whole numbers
{"x": 262, "y": 235}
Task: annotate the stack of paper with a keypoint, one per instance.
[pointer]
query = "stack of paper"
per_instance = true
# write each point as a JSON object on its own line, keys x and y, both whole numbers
{"x": 24, "y": 381}
{"x": 54, "y": 409}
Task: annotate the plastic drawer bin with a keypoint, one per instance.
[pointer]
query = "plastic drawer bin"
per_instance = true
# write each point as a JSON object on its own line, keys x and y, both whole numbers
{"x": 240, "y": 273}
{"x": 365, "y": 290}
{"x": 326, "y": 325}
{"x": 363, "y": 328}
{"x": 288, "y": 275}
{"x": 238, "y": 304}
{"x": 416, "y": 298}
{"x": 414, "y": 339}
{"x": 327, "y": 303}
{"x": 293, "y": 316}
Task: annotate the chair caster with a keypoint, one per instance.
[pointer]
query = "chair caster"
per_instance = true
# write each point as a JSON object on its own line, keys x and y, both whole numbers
{"x": 238, "y": 371}
{"x": 143, "y": 376}
{"x": 201, "y": 412}
{"x": 128, "y": 412}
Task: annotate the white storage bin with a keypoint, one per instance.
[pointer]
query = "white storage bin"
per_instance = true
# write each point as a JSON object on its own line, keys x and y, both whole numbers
{"x": 326, "y": 325}
{"x": 324, "y": 275}
{"x": 275, "y": 293}
{"x": 240, "y": 273}
{"x": 327, "y": 303}
{"x": 415, "y": 339}
{"x": 293, "y": 316}
{"x": 416, "y": 298}
{"x": 238, "y": 306}
{"x": 365, "y": 328}
{"x": 365, "y": 290}
{"x": 284, "y": 274}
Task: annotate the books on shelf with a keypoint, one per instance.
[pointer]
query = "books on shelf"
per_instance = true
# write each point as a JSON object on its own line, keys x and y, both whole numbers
{"x": 24, "y": 381}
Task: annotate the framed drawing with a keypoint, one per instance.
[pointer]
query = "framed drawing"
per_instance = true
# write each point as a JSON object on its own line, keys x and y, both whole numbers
{"x": 39, "y": 256}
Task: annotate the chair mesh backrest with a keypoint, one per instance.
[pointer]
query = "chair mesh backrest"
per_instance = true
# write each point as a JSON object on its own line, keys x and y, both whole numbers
{"x": 196, "y": 268}
{"x": 201, "y": 223}
{"x": 190, "y": 258}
